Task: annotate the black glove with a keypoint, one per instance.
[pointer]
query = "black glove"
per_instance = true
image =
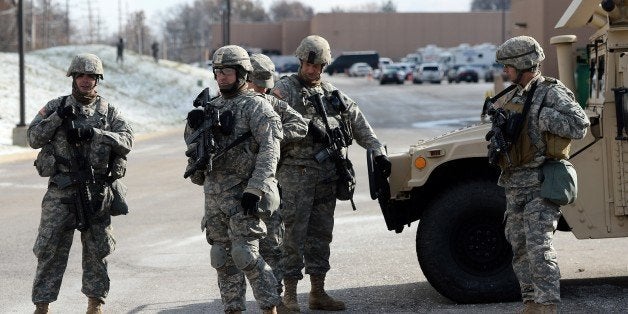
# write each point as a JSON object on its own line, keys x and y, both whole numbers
{"x": 79, "y": 135}
{"x": 196, "y": 118}
{"x": 250, "y": 203}
{"x": 202, "y": 98}
{"x": 318, "y": 134}
{"x": 66, "y": 111}
{"x": 383, "y": 164}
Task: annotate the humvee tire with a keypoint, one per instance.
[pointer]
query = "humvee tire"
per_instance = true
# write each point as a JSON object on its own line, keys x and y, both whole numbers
{"x": 461, "y": 245}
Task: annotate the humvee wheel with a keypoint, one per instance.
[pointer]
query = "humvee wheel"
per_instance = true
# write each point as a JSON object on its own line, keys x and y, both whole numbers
{"x": 461, "y": 246}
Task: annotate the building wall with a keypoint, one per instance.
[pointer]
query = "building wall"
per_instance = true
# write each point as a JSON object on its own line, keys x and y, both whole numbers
{"x": 396, "y": 34}
{"x": 537, "y": 18}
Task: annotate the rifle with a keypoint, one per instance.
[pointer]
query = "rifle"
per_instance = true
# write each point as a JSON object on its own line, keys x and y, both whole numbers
{"x": 206, "y": 147}
{"x": 497, "y": 141}
{"x": 81, "y": 175}
{"x": 336, "y": 141}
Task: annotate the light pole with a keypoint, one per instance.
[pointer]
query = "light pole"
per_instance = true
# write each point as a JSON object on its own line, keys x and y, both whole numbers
{"x": 19, "y": 132}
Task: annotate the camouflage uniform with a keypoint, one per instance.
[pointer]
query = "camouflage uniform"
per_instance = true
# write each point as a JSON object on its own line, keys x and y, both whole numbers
{"x": 250, "y": 166}
{"x": 112, "y": 135}
{"x": 294, "y": 128}
{"x": 531, "y": 220}
{"x": 309, "y": 187}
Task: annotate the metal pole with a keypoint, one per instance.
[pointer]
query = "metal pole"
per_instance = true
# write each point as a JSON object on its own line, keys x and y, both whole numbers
{"x": 503, "y": 21}
{"x": 226, "y": 17}
{"x": 20, "y": 40}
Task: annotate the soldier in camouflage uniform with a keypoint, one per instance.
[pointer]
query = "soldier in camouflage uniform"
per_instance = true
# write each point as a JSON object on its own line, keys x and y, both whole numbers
{"x": 309, "y": 186}
{"x": 294, "y": 129}
{"x": 553, "y": 119}
{"x": 82, "y": 123}
{"x": 239, "y": 181}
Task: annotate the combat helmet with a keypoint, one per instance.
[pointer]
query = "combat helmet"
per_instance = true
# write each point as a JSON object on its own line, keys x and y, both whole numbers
{"x": 314, "y": 49}
{"x": 232, "y": 55}
{"x": 263, "y": 70}
{"x": 86, "y": 63}
{"x": 521, "y": 52}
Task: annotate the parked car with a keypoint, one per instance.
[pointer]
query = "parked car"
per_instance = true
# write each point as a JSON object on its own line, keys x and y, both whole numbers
{"x": 392, "y": 74}
{"x": 383, "y": 62}
{"x": 496, "y": 69}
{"x": 450, "y": 73}
{"x": 467, "y": 74}
{"x": 360, "y": 69}
{"x": 428, "y": 72}
{"x": 346, "y": 59}
{"x": 407, "y": 69}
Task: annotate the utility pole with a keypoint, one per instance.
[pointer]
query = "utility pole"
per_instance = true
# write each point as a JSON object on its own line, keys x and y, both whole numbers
{"x": 503, "y": 20}
{"x": 226, "y": 17}
{"x": 19, "y": 132}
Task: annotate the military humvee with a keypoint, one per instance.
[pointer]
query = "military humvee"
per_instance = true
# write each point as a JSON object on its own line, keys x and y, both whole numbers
{"x": 447, "y": 184}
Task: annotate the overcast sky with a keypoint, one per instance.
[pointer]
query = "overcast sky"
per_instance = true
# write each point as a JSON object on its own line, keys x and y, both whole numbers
{"x": 155, "y": 8}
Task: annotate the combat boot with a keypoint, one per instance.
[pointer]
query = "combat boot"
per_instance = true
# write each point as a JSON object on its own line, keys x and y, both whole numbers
{"x": 272, "y": 310}
{"x": 319, "y": 299}
{"x": 290, "y": 295}
{"x": 94, "y": 306}
{"x": 41, "y": 308}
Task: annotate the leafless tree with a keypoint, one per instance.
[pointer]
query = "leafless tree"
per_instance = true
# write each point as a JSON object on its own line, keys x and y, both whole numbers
{"x": 490, "y": 5}
{"x": 282, "y": 10}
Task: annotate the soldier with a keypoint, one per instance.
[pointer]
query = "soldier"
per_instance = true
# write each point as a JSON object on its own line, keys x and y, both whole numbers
{"x": 120, "y": 50}
{"x": 545, "y": 117}
{"x": 248, "y": 131}
{"x": 82, "y": 138}
{"x": 294, "y": 129}
{"x": 310, "y": 183}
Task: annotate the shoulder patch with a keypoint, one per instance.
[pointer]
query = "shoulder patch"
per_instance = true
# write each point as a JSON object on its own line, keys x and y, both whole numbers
{"x": 278, "y": 93}
{"x": 550, "y": 80}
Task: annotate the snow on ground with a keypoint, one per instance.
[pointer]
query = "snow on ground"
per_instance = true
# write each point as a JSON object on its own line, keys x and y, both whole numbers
{"x": 152, "y": 96}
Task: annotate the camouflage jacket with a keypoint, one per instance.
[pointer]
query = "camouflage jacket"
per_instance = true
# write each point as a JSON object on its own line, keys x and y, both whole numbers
{"x": 293, "y": 125}
{"x": 302, "y": 152}
{"x": 253, "y": 161}
{"x": 553, "y": 110}
{"x": 112, "y": 133}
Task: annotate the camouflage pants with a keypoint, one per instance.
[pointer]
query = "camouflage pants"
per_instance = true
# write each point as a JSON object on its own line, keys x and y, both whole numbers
{"x": 270, "y": 245}
{"x": 232, "y": 233}
{"x": 54, "y": 240}
{"x": 308, "y": 213}
{"x": 530, "y": 225}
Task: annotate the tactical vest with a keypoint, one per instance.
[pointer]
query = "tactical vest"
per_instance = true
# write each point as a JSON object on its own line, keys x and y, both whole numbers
{"x": 528, "y": 147}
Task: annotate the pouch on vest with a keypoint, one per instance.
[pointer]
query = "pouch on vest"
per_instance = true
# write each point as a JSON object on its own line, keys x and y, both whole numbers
{"x": 557, "y": 147}
{"x": 46, "y": 162}
{"x": 345, "y": 185}
{"x": 560, "y": 182}
{"x": 118, "y": 205}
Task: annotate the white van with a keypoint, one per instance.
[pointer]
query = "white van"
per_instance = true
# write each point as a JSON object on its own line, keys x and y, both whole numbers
{"x": 428, "y": 72}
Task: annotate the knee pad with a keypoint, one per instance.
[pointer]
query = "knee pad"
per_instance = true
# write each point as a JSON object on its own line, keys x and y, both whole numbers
{"x": 218, "y": 256}
{"x": 243, "y": 257}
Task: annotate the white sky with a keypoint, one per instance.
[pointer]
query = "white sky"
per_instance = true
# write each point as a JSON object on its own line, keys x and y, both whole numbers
{"x": 110, "y": 9}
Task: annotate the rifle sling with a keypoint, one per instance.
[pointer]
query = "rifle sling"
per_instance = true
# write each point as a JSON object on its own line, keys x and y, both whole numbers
{"x": 526, "y": 109}
{"x": 235, "y": 143}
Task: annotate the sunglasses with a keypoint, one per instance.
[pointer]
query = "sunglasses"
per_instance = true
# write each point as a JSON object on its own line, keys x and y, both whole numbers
{"x": 224, "y": 71}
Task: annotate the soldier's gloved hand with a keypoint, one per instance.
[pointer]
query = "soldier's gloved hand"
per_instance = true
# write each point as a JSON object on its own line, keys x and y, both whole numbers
{"x": 66, "y": 111}
{"x": 80, "y": 135}
{"x": 196, "y": 118}
{"x": 384, "y": 165}
{"x": 250, "y": 203}
{"x": 318, "y": 134}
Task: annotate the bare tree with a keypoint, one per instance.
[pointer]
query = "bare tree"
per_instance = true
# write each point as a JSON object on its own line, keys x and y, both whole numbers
{"x": 45, "y": 25}
{"x": 388, "y": 7}
{"x": 282, "y": 10}
{"x": 490, "y": 5}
